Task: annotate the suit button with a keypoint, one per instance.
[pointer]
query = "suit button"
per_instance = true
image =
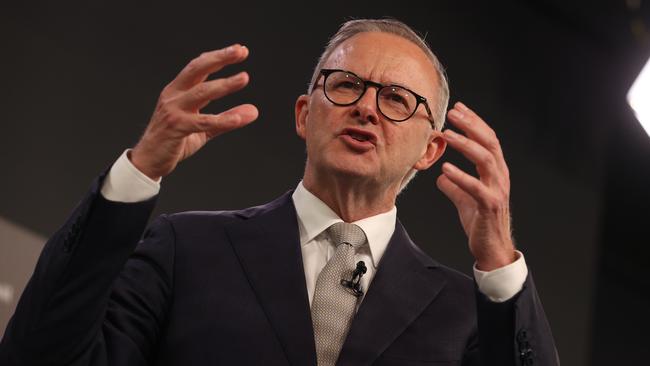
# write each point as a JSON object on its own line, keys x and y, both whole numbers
{"x": 522, "y": 335}
{"x": 526, "y": 357}
{"x": 526, "y": 354}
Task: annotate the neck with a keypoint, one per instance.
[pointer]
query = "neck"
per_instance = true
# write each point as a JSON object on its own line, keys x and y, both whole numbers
{"x": 352, "y": 198}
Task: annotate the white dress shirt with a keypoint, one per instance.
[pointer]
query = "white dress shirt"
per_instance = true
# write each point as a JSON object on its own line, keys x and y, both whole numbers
{"x": 314, "y": 217}
{"x": 125, "y": 183}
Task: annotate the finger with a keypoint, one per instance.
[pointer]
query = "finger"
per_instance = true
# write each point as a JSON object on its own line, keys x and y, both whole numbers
{"x": 475, "y": 128}
{"x": 216, "y": 124}
{"x": 207, "y": 63}
{"x": 469, "y": 184}
{"x": 483, "y": 159}
{"x": 201, "y": 94}
{"x": 453, "y": 191}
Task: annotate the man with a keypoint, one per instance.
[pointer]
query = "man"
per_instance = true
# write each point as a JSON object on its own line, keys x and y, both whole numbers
{"x": 277, "y": 284}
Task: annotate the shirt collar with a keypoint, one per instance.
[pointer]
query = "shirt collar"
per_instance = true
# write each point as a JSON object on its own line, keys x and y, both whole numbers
{"x": 314, "y": 217}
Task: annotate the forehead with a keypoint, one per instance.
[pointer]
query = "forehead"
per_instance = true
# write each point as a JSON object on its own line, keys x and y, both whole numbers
{"x": 388, "y": 59}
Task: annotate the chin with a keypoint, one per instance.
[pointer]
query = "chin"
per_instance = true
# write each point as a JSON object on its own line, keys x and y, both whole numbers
{"x": 352, "y": 170}
{"x": 343, "y": 163}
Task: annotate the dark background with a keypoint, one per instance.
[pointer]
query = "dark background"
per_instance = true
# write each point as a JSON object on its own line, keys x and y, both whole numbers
{"x": 79, "y": 83}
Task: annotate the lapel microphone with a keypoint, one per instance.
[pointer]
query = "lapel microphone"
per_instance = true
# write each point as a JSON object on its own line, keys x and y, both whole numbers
{"x": 354, "y": 284}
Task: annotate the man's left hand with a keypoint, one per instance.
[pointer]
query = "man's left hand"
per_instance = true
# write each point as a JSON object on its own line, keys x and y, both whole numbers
{"x": 483, "y": 203}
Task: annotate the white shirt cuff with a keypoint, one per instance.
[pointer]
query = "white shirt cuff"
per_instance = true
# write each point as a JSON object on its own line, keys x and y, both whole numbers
{"x": 125, "y": 183}
{"x": 503, "y": 283}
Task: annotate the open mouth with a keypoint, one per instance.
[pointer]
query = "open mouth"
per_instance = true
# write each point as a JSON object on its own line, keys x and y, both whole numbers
{"x": 360, "y": 135}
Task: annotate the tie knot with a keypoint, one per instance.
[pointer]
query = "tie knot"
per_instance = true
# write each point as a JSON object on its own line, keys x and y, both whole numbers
{"x": 351, "y": 234}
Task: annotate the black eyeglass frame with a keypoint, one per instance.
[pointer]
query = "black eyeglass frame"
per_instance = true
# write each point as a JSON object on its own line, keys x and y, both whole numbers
{"x": 420, "y": 99}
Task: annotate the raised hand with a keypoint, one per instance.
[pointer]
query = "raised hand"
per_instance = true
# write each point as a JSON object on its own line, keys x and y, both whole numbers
{"x": 483, "y": 203}
{"x": 177, "y": 129}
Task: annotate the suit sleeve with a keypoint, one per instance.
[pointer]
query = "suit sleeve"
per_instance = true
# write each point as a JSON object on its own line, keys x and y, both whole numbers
{"x": 93, "y": 298}
{"x": 514, "y": 332}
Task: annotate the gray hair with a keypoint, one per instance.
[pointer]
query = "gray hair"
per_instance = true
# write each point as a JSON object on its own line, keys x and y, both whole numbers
{"x": 396, "y": 27}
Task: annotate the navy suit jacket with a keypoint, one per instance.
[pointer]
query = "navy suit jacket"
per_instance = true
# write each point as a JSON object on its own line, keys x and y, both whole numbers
{"x": 228, "y": 288}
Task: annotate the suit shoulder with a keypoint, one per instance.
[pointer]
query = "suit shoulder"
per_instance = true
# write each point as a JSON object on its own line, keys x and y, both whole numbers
{"x": 451, "y": 273}
{"x": 452, "y": 276}
{"x": 457, "y": 277}
{"x": 224, "y": 217}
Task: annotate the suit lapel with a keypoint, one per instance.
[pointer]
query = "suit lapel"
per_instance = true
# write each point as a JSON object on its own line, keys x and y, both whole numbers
{"x": 268, "y": 248}
{"x": 402, "y": 288}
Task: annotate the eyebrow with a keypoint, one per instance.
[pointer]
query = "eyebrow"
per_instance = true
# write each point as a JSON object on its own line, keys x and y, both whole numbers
{"x": 381, "y": 82}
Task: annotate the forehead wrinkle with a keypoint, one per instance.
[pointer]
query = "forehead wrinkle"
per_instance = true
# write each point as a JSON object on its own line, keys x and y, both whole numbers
{"x": 375, "y": 71}
{"x": 394, "y": 64}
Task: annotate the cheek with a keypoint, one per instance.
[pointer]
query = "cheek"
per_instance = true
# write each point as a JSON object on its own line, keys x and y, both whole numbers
{"x": 316, "y": 129}
{"x": 312, "y": 119}
{"x": 323, "y": 121}
{"x": 399, "y": 140}
{"x": 409, "y": 145}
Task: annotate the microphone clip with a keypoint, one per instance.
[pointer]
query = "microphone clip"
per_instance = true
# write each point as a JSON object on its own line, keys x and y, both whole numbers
{"x": 354, "y": 284}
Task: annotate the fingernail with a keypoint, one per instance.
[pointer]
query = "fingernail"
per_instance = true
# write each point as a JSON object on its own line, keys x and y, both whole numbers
{"x": 447, "y": 167}
{"x": 462, "y": 106}
{"x": 456, "y": 114}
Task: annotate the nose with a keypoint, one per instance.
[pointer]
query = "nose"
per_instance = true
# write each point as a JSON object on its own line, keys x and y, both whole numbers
{"x": 365, "y": 109}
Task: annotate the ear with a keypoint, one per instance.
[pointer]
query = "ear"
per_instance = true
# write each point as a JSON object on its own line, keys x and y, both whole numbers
{"x": 434, "y": 150}
{"x": 301, "y": 112}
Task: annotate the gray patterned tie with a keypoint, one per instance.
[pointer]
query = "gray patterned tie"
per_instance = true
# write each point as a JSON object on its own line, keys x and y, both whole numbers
{"x": 333, "y": 306}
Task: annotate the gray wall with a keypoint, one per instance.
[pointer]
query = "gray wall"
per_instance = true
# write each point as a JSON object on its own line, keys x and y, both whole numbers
{"x": 20, "y": 248}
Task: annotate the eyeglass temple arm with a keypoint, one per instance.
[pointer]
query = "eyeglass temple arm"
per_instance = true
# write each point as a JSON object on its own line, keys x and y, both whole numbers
{"x": 431, "y": 119}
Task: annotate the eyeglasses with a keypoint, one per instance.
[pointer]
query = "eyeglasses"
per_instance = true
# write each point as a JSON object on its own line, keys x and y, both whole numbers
{"x": 394, "y": 102}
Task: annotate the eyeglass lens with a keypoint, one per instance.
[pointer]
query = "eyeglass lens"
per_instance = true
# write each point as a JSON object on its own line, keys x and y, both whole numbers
{"x": 394, "y": 102}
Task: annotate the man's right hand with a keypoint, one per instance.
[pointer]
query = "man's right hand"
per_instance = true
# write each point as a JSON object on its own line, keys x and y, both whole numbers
{"x": 177, "y": 128}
